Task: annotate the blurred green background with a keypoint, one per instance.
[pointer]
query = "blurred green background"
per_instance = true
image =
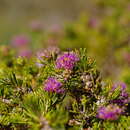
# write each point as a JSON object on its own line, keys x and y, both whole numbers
{"x": 103, "y": 27}
{"x": 15, "y": 14}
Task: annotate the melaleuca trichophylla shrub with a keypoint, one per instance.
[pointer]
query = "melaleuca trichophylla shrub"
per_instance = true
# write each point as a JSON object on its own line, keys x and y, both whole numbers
{"x": 75, "y": 76}
{"x": 62, "y": 90}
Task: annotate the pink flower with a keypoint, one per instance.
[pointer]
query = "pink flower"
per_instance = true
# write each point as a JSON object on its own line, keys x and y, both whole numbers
{"x": 123, "y": 96}
{"x": 53, "y": 85}
{"x": 20, "y": 40}
{"x": 110, "y": 112}
{"x": 67, "y": 61}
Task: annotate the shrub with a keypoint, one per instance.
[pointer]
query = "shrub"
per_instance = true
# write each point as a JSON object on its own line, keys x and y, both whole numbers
{"x": 65, "y": 92}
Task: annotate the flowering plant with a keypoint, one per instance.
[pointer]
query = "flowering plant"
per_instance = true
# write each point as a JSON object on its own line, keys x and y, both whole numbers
{"x": 65, "y": 92}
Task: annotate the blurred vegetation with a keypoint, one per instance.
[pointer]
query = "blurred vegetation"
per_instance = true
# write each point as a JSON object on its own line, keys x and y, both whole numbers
{"x": 102, "y": 28}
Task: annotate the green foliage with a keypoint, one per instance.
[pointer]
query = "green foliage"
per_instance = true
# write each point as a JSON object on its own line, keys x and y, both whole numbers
{"x": 26, "y": 104}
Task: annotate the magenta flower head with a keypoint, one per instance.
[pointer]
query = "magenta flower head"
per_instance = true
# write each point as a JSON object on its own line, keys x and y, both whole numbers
{"x": 123, "y": 97}
{"x": 20, "y": 41}
{"x": 110, "y": 112}
{"x": 67, "y": 61}
{"x": 53, "y": 85}
{"x": 121, "y": 85}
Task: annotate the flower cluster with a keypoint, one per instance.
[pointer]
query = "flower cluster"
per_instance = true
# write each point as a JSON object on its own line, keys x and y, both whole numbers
{"x": 20, "y": 40}
{"x": 123, "y": 97}
{"x": 83, "y": 84}
{"x": 121, "y": 85}
{"x": 68, "y": 86}
{"x": 67, "y": 61}
{"x": 53, "y": 85}
{"x": 110, "y": 112}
